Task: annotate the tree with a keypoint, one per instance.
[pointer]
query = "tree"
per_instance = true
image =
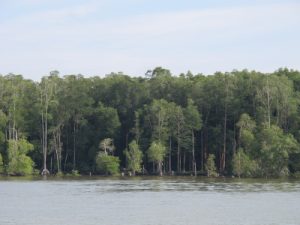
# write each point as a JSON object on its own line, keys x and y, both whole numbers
{"x": 107, "y": 146}
{"x": 178, "y": 121}
{"x": 78, "y": 104}
{"x": 274, "y": 150}
{"x": 133, "y": 157}
{"x": 1, "y": 165}
{"x": 3, "y": 121}
{"x": 243, "y": 165}
{"x": 46, "y": 94}
{"x": 193, "y": 122}
{"x": 107, "y": 164}
{"x": 246, "y": 136}
{"x": 157, "y": 117}
{"x": 210, "y": 166}
{"x": 156, "y": 154}
{"x": 18, "y": 162}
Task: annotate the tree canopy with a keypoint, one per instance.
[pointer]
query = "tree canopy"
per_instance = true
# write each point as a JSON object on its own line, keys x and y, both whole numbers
{"x": 242, "y": 123}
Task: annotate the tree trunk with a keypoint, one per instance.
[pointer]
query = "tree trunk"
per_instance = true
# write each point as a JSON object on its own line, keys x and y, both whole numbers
{"x": 74, "y": 145}
{"x": 160, "y": 168}
{"x": 178, "y": 152}
{"x": 268, "y": 103}
{"x": 170, "y": 156}
{"x": 194, "y": 166}
{"x": 223, "y": 154}
{"x": 184, "y": 160}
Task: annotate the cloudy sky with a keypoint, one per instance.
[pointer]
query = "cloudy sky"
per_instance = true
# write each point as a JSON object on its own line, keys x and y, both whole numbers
{"x": 96, "y": 37}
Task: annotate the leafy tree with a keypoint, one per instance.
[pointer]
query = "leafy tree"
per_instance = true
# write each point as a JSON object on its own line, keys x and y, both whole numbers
{"x": 210, "y": 166}
{"x": 107, "y": 164}
{"x": 274, "y": 150}
{"x": 246, "y": 128}
{"x": 18, "y": 162}
{"x": 193, "y": 122}
{"x": 157, "y": 117}
{"x": 156, "y": 154}
{"x": 134, "y": 157}
{"x": 46, "y": 89}
{"x": 243, "y": 166}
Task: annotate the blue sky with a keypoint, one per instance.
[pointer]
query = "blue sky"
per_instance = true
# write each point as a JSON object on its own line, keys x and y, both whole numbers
{"x": 98, "y": 37}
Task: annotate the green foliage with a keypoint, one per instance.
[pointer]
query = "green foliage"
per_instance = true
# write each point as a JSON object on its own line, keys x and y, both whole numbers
{"x": 18, "y": 162}
{"x": 156, "y": 152}
{"x": 75, "y": 173}
{"x": 274, "y": 150}
{"x": 192, "y": 115}
{"x": 107, "y": 164}
{"x": 158, "y": 116}
{"x": 243, "y": 166}
{"x": 210, "y": 166}
{"x": 134, "y": 157}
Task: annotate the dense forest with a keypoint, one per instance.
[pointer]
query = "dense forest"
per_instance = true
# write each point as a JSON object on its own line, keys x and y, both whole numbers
{"x": 240, "y": 123}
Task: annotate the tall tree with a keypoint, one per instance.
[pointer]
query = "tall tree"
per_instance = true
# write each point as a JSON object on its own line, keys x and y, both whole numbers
{"x": 156, "y": 154}
{"x": 193, "y": 122}
{"x": 134, "y": 157}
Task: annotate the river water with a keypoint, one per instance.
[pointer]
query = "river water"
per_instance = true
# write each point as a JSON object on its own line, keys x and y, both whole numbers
{"x": 149, "y": 201}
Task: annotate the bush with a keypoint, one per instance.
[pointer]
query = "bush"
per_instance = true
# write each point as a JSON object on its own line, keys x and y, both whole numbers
{"x": 107, "y": 164}
{"x": 18, "y": 162}
{"x": 243, "y": 165}
{"x": 210, "y": 166}
{"x": 134, "y": 157}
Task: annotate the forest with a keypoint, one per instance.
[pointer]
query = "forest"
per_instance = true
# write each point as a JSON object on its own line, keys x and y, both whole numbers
{"x": 239, "y": 123}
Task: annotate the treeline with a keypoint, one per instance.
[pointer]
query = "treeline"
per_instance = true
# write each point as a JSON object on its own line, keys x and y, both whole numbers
{"x": 242, "y": 123}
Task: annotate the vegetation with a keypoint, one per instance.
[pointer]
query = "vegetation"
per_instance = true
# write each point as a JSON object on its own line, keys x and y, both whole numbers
{"x": 107, "y": 164}
{"x": 243, "y": 166}
{"x": 242, "y": 123}
{"x": 134, "y": 157}
{"x": 210, "y": 166}
{"x": 18, "y": 162}
{"x": 1, "y": 164}
{"x": 156, "y": 154}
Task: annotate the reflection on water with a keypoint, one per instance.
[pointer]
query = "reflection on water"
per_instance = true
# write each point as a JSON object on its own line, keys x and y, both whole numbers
{"x": 147, "y": 201}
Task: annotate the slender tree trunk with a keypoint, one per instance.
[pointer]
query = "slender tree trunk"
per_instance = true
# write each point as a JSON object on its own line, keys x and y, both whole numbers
{"x": 67, "y": 147}
{"x": 202, "y": 151}
{"x": 74, "y": 145}
{"x": 178, "y": 151}
{"x": 223, "y": 154}
{"x": 44, "y": 105}
{"x": 184, "y": 160}
{"x": 178, "y": 158}
{"x": 160, "y": 168}
{"x": 170, "y": 155}
{"x": 194, "y": 166}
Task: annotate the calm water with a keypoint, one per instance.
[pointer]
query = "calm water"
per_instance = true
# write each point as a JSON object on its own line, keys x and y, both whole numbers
{"x": 155, "y": 201}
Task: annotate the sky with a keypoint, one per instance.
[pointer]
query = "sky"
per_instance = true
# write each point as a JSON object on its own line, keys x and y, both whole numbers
{"x": 97, "y": 37}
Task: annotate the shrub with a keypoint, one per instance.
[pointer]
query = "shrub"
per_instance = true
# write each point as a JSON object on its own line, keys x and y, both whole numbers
{"x": 107, "y": 164}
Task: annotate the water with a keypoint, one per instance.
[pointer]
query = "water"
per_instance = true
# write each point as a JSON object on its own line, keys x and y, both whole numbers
{"x": 151, "y": 201}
